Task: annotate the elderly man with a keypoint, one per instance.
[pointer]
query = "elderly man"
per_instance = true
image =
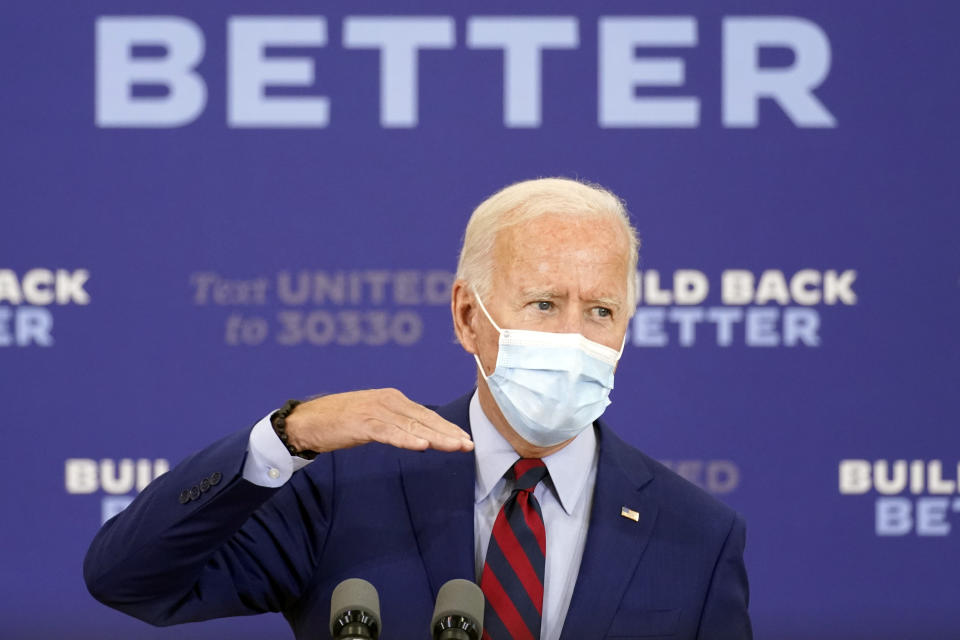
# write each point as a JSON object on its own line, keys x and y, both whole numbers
{"x": 570, "y": 532}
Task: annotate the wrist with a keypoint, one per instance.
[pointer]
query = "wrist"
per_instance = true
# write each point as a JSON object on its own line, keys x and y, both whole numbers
{"x": 296, "y": 429}
{"x": 282, "y": 420}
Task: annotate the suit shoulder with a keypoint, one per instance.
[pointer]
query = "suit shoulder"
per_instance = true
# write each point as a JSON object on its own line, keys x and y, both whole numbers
{"x": 678, "y": 497}
{"x": 687, "y": 493}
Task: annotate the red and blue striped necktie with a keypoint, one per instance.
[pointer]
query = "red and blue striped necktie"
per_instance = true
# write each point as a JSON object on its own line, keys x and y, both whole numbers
{"x": 512, "y": 579}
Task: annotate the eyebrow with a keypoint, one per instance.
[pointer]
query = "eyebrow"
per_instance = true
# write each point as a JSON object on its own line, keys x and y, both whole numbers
{"x": 550, "y": 294}
{"x": 607, "y": 302}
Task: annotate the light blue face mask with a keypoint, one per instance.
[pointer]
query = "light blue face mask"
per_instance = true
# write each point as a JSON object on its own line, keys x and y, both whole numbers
{"x": 549, "y": 386}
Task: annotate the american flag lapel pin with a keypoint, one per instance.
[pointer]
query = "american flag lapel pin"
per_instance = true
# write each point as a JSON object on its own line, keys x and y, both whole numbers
{"x": 630, "y": 514}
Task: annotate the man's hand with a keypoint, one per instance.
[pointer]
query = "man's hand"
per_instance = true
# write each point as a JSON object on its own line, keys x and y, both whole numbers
{"x": 345, "y": 420}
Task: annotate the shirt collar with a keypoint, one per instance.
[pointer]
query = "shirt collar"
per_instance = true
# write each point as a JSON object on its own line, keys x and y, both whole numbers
{"x": 569, "y": 467}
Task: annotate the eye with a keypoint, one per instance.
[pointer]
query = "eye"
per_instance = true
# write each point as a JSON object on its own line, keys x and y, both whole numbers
{"x": 603, "y": 312}
{"x": 544, "y": 305}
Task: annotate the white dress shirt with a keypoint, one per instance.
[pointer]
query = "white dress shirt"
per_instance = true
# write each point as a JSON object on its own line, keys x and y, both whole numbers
{"x": 565, "y": 497}
{"x": 268, "y": 463}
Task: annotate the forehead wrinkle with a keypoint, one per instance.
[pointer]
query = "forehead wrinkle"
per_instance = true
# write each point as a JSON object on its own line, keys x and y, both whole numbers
{"x": 543, "y": 249}
{"x": 585, "y": 274}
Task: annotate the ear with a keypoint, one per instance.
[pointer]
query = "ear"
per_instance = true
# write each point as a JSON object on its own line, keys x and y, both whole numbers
{"x": 463, "y": 307}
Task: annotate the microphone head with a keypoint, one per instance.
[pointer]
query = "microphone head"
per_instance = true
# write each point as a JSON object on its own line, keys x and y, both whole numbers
{"x": 459, "y": 605}
{"x": 355, "y": 601}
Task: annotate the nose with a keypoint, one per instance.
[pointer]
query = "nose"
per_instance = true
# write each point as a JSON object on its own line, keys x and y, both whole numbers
{"x": 572, "y": 320}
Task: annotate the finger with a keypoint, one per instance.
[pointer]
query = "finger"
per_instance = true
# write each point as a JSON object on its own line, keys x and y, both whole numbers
{"x": 391, "y": 434}
{"x": 434, "y": 422}
{"x": 436, "y": 439}
{"x": 398, "y": 402}
{"x": 431, "y": 419}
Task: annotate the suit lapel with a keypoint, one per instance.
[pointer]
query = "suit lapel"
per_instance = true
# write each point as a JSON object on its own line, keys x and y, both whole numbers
{"x": 614, "y": 542}
{"x": 439, "y": 488}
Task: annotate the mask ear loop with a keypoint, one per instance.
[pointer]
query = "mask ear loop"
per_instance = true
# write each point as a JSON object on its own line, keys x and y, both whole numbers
{"x": 485, "y": 312}
{"x": 499, "y": 330}
{"x": 480, "y": 366}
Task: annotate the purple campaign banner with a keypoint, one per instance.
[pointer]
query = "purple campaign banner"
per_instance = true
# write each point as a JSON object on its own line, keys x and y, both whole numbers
{"x": 210, "y": 208}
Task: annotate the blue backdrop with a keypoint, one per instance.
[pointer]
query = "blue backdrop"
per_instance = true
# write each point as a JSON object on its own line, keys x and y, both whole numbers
{"x": 209, "y": 209}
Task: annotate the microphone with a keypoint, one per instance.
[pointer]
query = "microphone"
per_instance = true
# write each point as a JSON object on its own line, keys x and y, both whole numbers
{"x": 355, "y": 611}
{"x": 458, "y": 614}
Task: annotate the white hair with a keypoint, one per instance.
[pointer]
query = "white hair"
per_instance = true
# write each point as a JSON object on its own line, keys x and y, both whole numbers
{"x": 531, "y": 199}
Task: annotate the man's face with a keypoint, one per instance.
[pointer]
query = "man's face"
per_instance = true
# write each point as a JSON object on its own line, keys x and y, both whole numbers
{"x": 557, "y": 274}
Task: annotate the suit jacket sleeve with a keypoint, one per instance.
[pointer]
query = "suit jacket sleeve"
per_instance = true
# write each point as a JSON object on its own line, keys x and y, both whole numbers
{"x": 725, "y": 610}
{"x": 236, "y": 549}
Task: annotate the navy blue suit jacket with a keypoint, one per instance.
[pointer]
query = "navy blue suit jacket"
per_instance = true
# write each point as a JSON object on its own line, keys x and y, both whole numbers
{"x": 404, "y": 521}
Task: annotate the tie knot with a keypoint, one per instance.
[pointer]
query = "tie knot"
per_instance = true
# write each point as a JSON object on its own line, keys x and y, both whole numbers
{"x": 527, "y": 473}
